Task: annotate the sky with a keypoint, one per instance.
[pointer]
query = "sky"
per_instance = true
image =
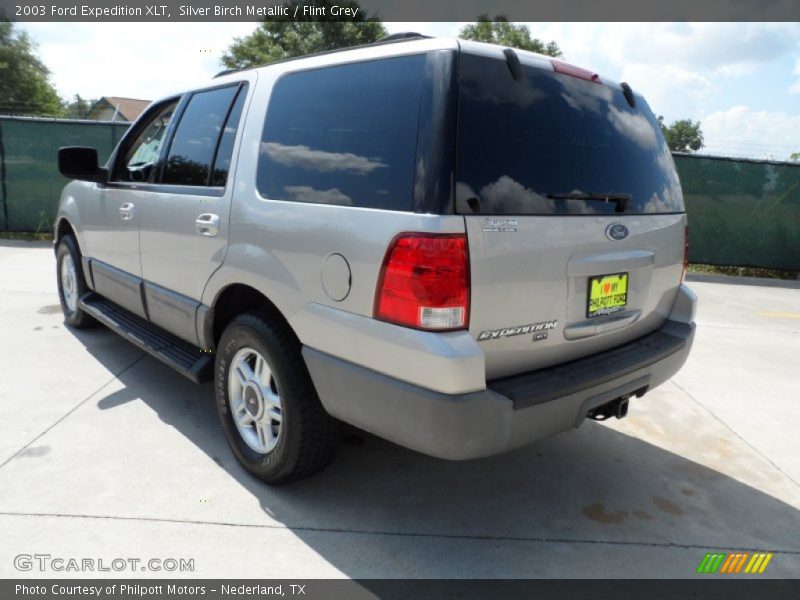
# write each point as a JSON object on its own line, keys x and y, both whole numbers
{"x": 740, "y": 80}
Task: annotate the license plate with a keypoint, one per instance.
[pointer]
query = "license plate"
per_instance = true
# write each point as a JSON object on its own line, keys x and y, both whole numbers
{"x": 607, "y": 294}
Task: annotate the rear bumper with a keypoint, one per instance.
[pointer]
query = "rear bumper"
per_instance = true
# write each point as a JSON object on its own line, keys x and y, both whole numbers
{"x": 510, "y": 412}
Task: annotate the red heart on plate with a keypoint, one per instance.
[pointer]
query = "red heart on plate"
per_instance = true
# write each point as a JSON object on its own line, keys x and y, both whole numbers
{"x": 606, "y": 287}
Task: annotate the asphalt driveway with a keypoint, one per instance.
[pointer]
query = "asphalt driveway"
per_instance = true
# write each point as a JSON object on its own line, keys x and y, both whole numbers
{"x": 106, "y": 453}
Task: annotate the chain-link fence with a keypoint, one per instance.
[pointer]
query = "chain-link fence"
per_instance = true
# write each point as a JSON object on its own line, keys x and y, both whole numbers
{"x": 741, "y": 212}
{"x": 30, "y": 183}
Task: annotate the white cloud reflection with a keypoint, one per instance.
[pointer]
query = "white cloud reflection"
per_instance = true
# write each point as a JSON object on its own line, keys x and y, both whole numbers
{"x": 320, "y": 160}
{"x": 304, "y": 193}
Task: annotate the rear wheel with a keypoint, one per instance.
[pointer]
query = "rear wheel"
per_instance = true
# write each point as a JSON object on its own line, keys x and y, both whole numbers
{"x": 267, "y": 404}
{"x": 71, "y": 284}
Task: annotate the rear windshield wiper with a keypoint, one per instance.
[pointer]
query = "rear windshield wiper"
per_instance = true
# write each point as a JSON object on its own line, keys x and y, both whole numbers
{"x": 621, "y": 200}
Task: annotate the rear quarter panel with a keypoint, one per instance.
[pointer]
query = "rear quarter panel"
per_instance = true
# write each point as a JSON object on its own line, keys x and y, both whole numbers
{"x": 279, "y": 247}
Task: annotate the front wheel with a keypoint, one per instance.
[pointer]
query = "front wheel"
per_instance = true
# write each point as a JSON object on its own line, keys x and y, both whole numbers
{"x": 71, "y": 284}
{"x": 267, "y": 404}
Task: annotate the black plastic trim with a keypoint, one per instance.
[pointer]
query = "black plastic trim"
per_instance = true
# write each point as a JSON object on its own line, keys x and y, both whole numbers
{"x": 205, "y": 326}
{"x": 512, "y": 60}
{"x": 629, "y": 95}
{"x": 182, "y": 356}
{"x": 551, "y": 383}
{"x": 242, "y": 90}
{"x": 88, "y": 277}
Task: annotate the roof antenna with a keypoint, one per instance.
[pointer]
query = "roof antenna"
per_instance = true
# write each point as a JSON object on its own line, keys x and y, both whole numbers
{"x": 512, "y": 60}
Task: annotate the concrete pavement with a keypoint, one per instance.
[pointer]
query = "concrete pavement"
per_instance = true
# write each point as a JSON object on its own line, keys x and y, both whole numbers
{"x": 105, "y": 453}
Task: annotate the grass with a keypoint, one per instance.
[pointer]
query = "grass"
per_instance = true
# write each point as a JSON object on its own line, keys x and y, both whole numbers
{"x": 26, "y": 236}
{"x": 741, "y": 271}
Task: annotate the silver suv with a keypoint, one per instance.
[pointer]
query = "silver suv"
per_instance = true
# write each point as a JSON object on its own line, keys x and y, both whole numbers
{"x": 459, "y": 247}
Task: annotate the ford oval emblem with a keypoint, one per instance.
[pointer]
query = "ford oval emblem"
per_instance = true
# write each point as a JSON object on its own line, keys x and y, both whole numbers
{"x": 616, "y": 232}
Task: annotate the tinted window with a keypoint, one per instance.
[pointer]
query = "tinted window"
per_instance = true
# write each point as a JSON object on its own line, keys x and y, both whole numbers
{"x": 550, "y": 143}
{"x": 344, "y": 135}
{"x": 192, "y": 147}
{"x": 222, "y": 162}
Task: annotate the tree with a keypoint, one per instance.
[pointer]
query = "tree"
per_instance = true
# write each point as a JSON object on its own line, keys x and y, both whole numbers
{"x": 683, "y": 135}
{"x": 500, "y": 31}
{"x": 794, "y": 157}
{"x": 78, "y": 107}
{"x": 26, "y": 87}
{"x": 287, "y": 37}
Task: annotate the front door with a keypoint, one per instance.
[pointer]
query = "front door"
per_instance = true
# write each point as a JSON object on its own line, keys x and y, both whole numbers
{"x": 113, "y": 231}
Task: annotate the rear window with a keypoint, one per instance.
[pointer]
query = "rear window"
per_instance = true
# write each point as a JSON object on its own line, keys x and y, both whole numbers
{"x": 555, "y": 144}
{"x": 344, "y": 135}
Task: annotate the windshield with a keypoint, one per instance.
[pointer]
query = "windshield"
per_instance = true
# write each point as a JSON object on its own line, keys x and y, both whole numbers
{"x": 555, "y": 144}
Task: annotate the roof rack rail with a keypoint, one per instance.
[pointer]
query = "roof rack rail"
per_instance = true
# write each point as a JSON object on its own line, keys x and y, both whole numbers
{"x": 226, "y": 72}
{"x": 388, "y": 39}
{"x": 401, "y": 36}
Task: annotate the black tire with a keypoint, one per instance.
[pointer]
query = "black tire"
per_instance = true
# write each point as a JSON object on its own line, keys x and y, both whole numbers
{"x": 309, "y": 436}
{"x": 76, "y": 318}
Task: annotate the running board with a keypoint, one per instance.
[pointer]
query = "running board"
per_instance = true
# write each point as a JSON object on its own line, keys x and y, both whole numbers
{"x": 182, "y": 356}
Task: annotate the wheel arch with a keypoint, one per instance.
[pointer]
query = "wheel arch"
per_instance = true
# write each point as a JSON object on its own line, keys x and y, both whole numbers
{"x": 63, "y": 228}
{"x": 232, "y": 300}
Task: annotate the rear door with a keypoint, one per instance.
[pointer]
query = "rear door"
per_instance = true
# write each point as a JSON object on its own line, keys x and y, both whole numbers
{"x": 573, "y": 211}
{"x": 184, "y": 224}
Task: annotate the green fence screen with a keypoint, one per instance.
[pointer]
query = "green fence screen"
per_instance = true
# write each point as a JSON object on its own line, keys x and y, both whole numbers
{"x": 741, "y": 212}
{"x": 30, "y": 183}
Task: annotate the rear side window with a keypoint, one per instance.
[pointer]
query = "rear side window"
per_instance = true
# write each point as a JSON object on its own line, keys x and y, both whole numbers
{"x": 555, "y": 144}
{"x": 344, "y": 135}
{"x": 193, "y": 147}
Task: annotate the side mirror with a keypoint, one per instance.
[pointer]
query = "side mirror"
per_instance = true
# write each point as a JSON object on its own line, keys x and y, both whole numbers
{"x": 76, "y": 162}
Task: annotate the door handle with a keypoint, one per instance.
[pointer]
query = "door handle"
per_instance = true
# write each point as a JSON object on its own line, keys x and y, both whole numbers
{"x": 207, "y": 224}
{"x": 126, "y": 211}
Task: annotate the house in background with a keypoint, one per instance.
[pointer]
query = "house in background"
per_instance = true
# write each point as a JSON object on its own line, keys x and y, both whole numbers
{"x": 113, "y": 108}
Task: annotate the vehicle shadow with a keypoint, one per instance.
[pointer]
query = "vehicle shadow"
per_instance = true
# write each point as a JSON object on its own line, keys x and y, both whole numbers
{"x": 596, "y": 487}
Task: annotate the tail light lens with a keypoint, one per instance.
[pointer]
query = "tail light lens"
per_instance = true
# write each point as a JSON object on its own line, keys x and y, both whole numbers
{"x": 424, "y": 282}
{"x": 685, "y": 251}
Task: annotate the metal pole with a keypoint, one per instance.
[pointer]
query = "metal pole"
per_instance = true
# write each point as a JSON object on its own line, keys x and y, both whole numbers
{"x": 3, "y": 190}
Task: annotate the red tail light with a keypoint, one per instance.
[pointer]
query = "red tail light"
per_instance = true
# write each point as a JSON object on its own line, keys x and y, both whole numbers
{"x": 685, "y": 251}
{"x": 424, "y": 282}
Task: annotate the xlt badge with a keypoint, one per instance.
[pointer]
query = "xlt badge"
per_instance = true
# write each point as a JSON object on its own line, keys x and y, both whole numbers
{"x": 537, "y": 328}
